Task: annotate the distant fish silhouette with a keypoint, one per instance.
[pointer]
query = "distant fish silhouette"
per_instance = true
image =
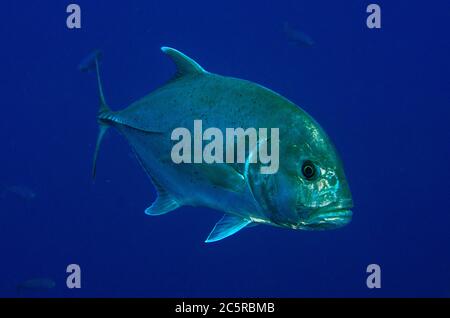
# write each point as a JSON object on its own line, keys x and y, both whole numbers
{"x": 20, "y": 191}
{"x": 88, "y": 63}
{"x": 36, "y": 284}
{"x": 297, "y": 37}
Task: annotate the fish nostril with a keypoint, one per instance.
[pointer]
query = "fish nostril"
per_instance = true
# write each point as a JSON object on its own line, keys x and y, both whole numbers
{"x": 333, "y": 181}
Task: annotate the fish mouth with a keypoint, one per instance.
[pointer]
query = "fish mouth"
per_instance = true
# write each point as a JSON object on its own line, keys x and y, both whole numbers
{"x": 328, "y": 218}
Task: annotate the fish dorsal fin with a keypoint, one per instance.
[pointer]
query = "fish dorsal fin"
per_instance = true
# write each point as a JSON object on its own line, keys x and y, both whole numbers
{"x": 228, "y": 225}
{"x": 164, "y": 203}
{"x": 185, "y": 65}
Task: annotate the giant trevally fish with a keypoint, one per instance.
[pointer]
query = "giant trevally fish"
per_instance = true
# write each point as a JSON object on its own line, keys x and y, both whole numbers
{"x": 297, "y": 37}
{"x": 309, "y": 191}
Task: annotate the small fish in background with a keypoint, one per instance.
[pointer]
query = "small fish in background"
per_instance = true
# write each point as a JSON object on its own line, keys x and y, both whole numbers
{"x": 297, "y": 37}
{"x": 20, "y": 191}
{"x": 36, "y": 284}
{"x": 88, "y": 63}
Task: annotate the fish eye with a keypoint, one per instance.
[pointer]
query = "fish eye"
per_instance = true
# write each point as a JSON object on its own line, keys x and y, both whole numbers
{"x": 309, "y": 170}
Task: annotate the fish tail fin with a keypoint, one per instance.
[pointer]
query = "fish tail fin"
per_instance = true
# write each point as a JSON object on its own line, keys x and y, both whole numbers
{"x": 103, "y": 128}
{"x": 102, "y": 111}
{"x": 93, "y": 62}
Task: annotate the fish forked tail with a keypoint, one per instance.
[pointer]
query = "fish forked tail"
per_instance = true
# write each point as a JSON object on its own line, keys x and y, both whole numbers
{"x": 89, "y": 63}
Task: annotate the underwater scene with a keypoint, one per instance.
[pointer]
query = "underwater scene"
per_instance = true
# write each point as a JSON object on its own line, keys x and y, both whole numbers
{"x": 183, "y": 149}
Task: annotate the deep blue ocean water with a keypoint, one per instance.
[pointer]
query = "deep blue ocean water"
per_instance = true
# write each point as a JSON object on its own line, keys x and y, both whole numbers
{"x": 382, "y": 95}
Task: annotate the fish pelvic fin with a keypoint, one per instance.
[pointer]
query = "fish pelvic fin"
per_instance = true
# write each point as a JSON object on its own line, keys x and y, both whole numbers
{"x": 227, "y": 226}
{"x": 93, "y": 62}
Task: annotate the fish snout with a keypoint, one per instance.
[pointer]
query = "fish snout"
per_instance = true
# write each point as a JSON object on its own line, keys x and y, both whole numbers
{"x": 332, "y": 216}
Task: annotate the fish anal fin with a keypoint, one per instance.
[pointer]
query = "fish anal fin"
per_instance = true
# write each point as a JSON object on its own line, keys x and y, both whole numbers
{"x": 164, "y": 203}
{"x": 227, "y": 226}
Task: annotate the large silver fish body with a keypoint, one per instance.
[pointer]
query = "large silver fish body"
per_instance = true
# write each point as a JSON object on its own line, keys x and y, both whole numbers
{"x": 309, "y": 190}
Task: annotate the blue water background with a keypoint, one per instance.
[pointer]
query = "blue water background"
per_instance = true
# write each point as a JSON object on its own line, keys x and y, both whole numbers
{"x": 382, "y": 95}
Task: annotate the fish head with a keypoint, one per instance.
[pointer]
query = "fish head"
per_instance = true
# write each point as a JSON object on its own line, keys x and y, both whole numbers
{"x": 310, "y": 190}
{"x": 315, "y": 171}
{"x": 323, "y": 197}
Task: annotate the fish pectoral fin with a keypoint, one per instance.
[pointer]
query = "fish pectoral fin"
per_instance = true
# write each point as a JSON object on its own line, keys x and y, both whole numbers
{"x": 164, "y": 203}
{"x": 228, "y": 225}
{"x": 224, "y": 176}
